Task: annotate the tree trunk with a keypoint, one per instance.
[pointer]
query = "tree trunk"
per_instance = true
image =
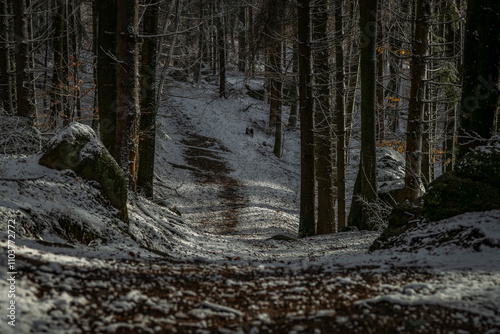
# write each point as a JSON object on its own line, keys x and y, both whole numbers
{"x": 292, "y": 118}
{"x": 340, "y": 116}
{"x": 221, "y": 44}
{"x": 6, "y": 84}
{"x": 242, "y": 40}
{"x": 127, "y": 108}
{"x": 380, "y": 116}
{"x": 106, "y": 72}
{"x": 324, "y": 145}
{"x": 64, "y": 79}
{"x": 57, "y": 96}
{"x": 276, "y": 97}
{"x": 75, "y": 45}
{"x": 481, "y": 65}
{"x": 95, "y": 48}
{"x": 25, "y": 95}
{"x": 307, "y": 173}
{"x": 368, "y": 165}
{"x": 413, "y": 168}
{"x": 201, "y": 43}
{"x": 148, "y": 103}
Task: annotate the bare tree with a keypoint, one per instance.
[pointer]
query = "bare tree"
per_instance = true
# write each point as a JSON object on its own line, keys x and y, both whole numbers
{"x": 413, "y": 169}
{"x": 368, "y": 165}
{"x": 127, "y": 108}
{"x": 106, "y": 72}
{"x": 307, "y": 216}
{"x": 6, "y": 83}
{"x": 25, "y": 95}
{"x": 148, "y": 101}
{"x": 340, "y": 116}
{"x": 324, "y": 145}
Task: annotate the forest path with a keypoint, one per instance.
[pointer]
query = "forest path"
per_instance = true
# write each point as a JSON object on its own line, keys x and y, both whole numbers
{"x": 206, "y": 161}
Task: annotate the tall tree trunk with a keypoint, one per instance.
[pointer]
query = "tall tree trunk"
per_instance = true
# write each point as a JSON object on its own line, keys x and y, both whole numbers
{"x": 307, "y": 216}
{"x": 201, "y": 58}
{"x": 340, "y": 116}
{"x": 25, "y": 95}
{"x": 106, "y": 72}
{"x": 413, "y": 168}
{"x": 6, "y": 84}
{"x": 127, "y": 108}
{"x": 481, "y": 65}
{"x": 95, "y": 48}
{"x": 353, "y": 74}
{"x": 76, "y": 35}
{"x": 276, "y": 97}
{"x": 292, "y": 118}
{"x": 221, "y": 44}
{"x": 65, "y": 89}
{"x": 324, "y": 145}
{"x": 57, "y": 96}
{"x": 251, "y": 43}
{"x": 380, "y": 116}
{"x": 368, "y": 165}
{"x": 242, "y": 39}
{"x": 148, "y": 102}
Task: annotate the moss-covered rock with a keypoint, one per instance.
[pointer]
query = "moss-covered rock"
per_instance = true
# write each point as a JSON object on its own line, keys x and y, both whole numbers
{"x": 473, "y": 187}
{"x": 482, "y": 164}
{"x": 451, "y": 195}
{"x": 77, "y": 148}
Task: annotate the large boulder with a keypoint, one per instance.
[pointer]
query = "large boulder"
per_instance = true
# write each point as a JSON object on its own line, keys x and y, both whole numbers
{"x": 474, "y": 186}
{"x": 452, "y": 195}
{"x": 77, "y": 148}
{"x": 481, "y": 164}
{"x": 390, "y": 175}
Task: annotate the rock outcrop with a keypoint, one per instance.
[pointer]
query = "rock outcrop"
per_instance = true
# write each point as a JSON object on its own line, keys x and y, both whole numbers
{"x": 474, "y": 186}
{"x": 77, "y": 148}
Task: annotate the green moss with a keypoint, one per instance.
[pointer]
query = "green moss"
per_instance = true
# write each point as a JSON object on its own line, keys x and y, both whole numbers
{"x": 451, "y": 195}
{"x": 482, "y": 166}
{"x": 78, "y": 149}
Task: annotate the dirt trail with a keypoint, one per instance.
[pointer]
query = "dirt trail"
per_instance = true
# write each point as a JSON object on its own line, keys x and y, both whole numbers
{"x": 205, "y": 158}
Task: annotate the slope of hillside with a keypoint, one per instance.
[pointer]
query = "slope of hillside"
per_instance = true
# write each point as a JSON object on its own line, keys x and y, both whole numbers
{"x": 215, "y": 269}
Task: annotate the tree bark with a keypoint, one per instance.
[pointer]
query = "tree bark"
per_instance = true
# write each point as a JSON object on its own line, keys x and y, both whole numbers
{"x": 148, "y": 102}
{"x": 340, "y": 116}
{"x": 368, "y": 165}
{"x": 307, "y": 216}
{"x": 413, "y": 168}
{"x": 242, "y": 40}
{"x": 221, "y": 44}
{"x": 25, "y": 95}
{"x": 6, "y": 83}
{"x": 480, "y": 92}
{"x": 276, "y": 97}
{"x": 106, "y": 72}
{"x": 292, "y": 118}
{"x": 127, "y": 108}
{"x": 324, "y": 145}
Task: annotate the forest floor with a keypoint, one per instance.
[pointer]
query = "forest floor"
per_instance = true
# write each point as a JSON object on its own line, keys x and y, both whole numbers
{"x": 217, "y": 269}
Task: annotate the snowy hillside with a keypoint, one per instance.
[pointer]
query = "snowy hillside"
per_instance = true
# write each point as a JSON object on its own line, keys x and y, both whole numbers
{"x": 201, "y": 257}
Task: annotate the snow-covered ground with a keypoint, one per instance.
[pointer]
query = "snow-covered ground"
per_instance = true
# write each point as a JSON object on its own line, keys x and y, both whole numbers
{"x": 216, "y": 268}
